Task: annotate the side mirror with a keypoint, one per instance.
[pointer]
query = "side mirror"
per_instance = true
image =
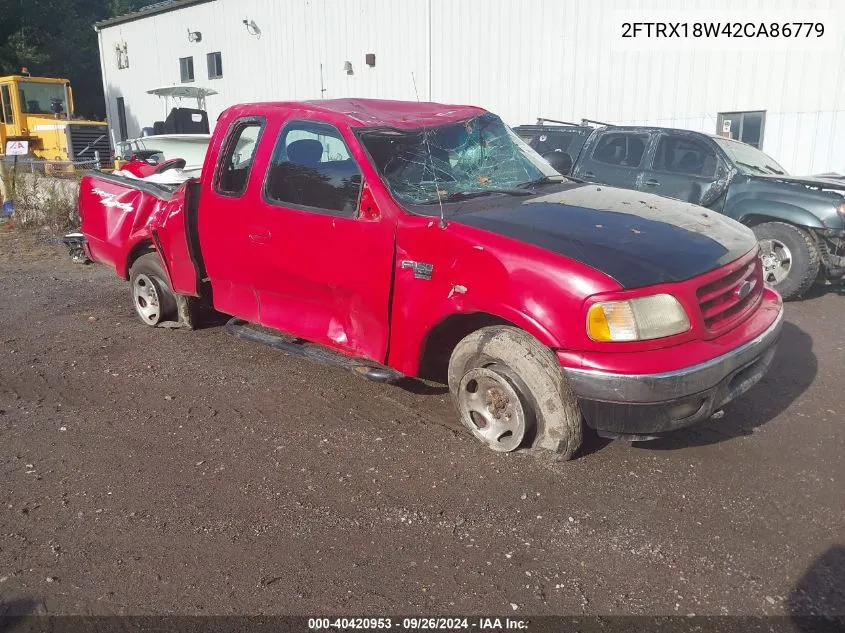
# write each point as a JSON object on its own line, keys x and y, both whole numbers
{"x": 561, "y": 162}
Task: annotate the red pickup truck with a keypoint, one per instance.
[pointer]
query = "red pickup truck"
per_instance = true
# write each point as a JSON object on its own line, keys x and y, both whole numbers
{"x": 420, "y": 239}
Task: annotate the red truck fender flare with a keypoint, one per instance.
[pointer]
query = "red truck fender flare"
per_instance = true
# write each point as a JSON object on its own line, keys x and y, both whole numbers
{"x": 139, "y": 246}
{"x": 422, "y": 357}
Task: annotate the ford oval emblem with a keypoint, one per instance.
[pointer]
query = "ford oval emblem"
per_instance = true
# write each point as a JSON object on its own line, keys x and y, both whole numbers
{"x": 744, "y": 290}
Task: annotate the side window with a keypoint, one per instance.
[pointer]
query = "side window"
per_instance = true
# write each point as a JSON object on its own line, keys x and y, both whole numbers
{"x": 679, "y": 155}
{"x": 620, "y": 149}
{"x": 215, "y": 65}
{"x": 8, "y": 113}
{"x": 312, "y": 167}
{"x": 236, "y": 162}
{"x": 186, "y": 69}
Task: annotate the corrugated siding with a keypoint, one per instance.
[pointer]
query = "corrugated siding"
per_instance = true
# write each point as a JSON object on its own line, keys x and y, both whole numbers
{"x": 520, "y": 59}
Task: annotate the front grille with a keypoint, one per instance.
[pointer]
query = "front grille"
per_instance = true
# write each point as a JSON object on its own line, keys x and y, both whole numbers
{"x": 724, "y": 303}
{"x": 85, "y": 140}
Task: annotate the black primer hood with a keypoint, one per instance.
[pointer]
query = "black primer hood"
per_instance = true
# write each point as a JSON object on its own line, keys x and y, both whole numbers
{"x": 639, "y": 239}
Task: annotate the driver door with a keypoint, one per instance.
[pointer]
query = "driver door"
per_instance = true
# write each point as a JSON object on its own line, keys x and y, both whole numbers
{"x": 686, "y": 168}
{"x": 322, "y": 260}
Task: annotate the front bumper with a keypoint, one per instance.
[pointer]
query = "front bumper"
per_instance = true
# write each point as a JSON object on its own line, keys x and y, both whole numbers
{"x": 647, "y": 405}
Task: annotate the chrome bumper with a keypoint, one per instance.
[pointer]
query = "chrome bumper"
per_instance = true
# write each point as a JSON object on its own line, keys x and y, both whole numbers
{"x": 672, "y": 385}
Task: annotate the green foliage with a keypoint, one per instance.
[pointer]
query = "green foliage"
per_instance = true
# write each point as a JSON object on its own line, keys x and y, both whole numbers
{"x": 56, "y": 38}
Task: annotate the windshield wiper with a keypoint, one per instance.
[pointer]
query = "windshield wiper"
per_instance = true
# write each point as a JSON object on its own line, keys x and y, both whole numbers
{"x": 754, "y": 167}
{"x": 544, "y": 180}
{"x": 457, "y": 196}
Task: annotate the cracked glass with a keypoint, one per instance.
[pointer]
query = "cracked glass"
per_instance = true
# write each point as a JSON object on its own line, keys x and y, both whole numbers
{"x": 455, "y": 161}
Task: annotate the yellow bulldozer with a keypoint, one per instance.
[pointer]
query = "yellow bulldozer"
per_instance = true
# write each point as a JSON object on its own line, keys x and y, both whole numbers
{"x": 37, "y": 121}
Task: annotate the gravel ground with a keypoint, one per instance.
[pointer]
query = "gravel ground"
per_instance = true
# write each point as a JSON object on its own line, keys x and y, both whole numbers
{"x": 149, "y": 471}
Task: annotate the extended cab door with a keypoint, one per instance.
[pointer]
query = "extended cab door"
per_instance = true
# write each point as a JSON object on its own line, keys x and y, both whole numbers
{"x": 613, "y": 157}
{"x": 224, "y": 227}
{"x": 321, "y": 252}
{"x": 685, "y": 167}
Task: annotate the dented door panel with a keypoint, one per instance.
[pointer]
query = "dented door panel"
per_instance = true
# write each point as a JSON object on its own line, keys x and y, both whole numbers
{"x": 614, "y": 158}
{"x": 321, "y": 276}
{"x": 170, "y": 236}
{"x": 116, "y": 215}
{"x": 685, "y": 167}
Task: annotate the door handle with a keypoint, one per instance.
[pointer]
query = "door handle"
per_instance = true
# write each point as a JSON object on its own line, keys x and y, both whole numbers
{"x": 651, "y": 183}
{"x": 259, "y": 236}
{"x": 588, "y": 175}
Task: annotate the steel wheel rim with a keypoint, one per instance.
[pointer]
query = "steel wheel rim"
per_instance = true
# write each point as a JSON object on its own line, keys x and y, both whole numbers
{"x": 491, "y": 408}
{"x": 776, "y": 259}
{"x": 146, "y": 299}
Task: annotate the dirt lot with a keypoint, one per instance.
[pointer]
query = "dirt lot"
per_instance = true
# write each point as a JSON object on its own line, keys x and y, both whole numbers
{"x": 156, "y": 471}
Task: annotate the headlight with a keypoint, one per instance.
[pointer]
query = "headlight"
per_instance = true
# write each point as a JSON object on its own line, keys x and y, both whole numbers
{"x": 638, "y": 319}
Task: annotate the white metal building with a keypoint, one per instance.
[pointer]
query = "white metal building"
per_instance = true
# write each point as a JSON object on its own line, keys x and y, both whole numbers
{"x": 522, "y": 59}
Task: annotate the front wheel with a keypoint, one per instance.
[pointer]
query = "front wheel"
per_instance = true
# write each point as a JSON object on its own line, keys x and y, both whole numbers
{"x": 152, "y": 296}
{"x": 510, "y": 392}
{"x": 789, "y": 256}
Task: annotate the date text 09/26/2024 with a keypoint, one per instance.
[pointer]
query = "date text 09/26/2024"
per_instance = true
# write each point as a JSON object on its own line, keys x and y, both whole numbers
{"x": 418, "y": 624}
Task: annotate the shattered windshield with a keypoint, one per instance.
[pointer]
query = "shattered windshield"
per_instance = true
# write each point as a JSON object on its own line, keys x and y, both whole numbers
{"x": 749, "y": 159}
{"x": 455, "y": 161}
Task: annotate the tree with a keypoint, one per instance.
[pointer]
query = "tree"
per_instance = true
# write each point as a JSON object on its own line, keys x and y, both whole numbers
{"x": 56, "y": 38}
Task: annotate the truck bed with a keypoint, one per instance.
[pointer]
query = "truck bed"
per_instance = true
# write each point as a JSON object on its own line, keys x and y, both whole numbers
{"x": 124, "y": 216}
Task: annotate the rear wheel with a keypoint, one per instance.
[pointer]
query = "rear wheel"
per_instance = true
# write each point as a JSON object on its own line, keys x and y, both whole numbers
{"x": 510, "y": 392}
{"x": 789, "y": 256}
{"x": 152, "y": 297}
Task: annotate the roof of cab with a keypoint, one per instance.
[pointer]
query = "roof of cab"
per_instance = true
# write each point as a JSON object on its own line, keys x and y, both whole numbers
{"x": 379, "y": 112}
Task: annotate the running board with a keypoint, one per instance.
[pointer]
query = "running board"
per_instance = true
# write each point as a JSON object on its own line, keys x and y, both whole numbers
{"x": 315, "y": 353}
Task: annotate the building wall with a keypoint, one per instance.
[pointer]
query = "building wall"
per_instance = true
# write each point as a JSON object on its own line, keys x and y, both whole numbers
{"x": 520, "y": 59}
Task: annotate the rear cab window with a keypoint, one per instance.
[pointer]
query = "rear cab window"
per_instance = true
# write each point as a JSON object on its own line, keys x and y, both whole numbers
{"x": 236, "y": 161}
{"x": 569, "y": 142}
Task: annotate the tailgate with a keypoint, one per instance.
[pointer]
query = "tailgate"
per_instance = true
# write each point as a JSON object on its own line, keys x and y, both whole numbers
{"x": 116, "y": 214}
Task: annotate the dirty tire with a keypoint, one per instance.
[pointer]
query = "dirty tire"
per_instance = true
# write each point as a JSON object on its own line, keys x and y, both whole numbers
{"x": 805, "y": 257}
{"x": 557, "y": 418}
{"x": 148, "y": 269}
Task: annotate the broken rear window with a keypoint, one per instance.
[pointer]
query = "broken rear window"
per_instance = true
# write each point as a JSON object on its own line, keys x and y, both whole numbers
{"x": 427, "y": 165}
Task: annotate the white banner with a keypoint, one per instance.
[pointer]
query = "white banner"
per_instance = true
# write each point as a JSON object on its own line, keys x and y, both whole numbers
{"x": 726, "y": 30}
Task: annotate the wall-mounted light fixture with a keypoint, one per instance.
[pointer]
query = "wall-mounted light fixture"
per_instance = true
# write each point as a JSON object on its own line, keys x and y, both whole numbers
{"x": 194, "y": 36}
{"x": 347, "y": 68}
{"x": 252, "y": 28}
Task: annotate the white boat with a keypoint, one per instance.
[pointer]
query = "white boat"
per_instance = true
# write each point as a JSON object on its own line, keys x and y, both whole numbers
{"x": 162, "y": 147}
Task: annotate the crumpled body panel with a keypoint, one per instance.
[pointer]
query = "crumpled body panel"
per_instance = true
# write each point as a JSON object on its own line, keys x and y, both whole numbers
{"x": 121, "y": 214}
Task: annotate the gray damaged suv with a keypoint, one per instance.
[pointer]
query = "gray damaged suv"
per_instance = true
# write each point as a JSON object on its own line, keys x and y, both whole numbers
{"x": 799, "y": 222}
